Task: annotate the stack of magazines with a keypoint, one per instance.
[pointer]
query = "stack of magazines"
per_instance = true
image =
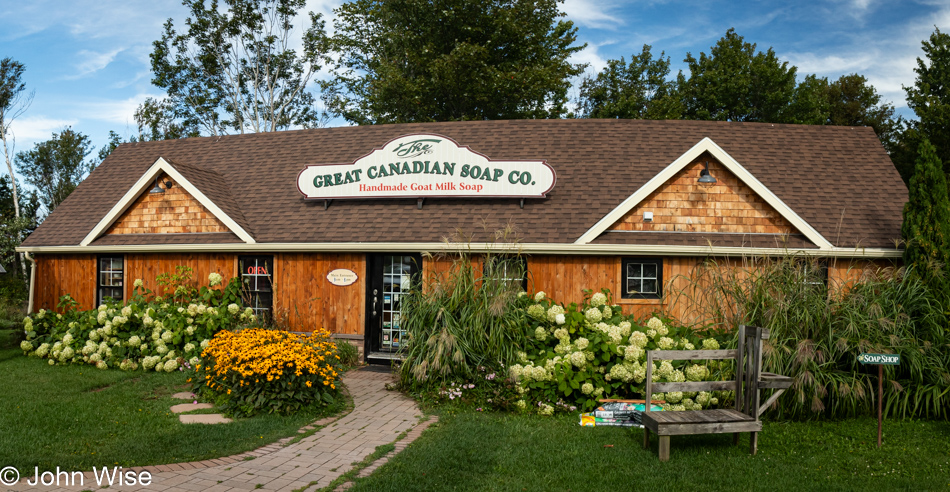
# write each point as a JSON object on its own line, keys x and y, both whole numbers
{"x": 622, "y": 413}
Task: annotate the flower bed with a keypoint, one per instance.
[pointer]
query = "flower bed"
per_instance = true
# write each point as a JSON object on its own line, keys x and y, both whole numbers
{"x": 257, "y": 370}
{"x": 579, "y": 354}
{"x": 160, "y": 333}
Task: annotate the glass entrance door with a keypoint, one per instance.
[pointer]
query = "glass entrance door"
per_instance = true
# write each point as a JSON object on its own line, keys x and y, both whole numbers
{"x": 391, "y": 278}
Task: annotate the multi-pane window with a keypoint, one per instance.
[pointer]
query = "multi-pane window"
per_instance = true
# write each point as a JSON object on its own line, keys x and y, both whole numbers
{"x": 642, "y": 278}
{"x": 257, "y": 281}
{"x": 109, "y": 278}
{"x": 510, "y": 270}
{"x": 397, "y": 282}
{"x": 815, "y": 272}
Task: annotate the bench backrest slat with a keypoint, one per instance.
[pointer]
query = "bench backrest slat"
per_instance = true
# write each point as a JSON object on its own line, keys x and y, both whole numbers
{"x": 695, "y": 386}
{"x": 693, "y": 354}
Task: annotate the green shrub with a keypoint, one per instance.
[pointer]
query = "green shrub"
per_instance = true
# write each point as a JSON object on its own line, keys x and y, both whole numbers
{"x": 348, "y": 353}
{"x": 160, "y": 333}
{"x": 259, "y": 370}
{"x": 818, "y": 331}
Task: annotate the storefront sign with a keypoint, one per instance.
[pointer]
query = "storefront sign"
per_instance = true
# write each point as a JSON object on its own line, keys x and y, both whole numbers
{"x": 342, "y": 277}
{"x": 419, "y": 166}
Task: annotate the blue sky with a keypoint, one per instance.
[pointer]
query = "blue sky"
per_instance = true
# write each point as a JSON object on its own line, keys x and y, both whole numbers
{"x": 87, "y": 60}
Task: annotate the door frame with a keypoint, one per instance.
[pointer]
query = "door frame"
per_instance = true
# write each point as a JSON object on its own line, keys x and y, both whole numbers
{"x": 372, "y": 327}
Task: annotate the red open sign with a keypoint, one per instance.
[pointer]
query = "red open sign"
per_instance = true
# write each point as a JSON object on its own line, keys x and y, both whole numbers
{"x": 256, "y": 270}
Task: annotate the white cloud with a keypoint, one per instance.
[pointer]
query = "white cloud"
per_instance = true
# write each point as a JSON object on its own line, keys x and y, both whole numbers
{"x": 595, "y": 14}
{"x": 91, "y": 62}
{"x": 34, "y": 128}
{"x": 121, "y": 112}
{"x": 591, "y": 56}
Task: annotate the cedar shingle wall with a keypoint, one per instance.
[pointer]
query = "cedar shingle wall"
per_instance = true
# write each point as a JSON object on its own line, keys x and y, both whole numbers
{"x": 169, "y": 212}
{"x": 682, "y": 204}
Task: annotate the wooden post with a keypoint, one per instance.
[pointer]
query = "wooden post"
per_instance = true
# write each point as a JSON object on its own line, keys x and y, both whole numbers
{"x": 648, "y": 398}
{"x": 880, "y": 402}
{"x": 664, "y": 448}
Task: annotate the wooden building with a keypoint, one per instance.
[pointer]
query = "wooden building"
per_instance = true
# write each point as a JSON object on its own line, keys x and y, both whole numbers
{"x": 326, "y": 226}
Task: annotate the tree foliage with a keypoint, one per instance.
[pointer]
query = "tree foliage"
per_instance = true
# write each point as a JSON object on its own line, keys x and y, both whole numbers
{"x": 445, "y": 60}
{"x": 16, "y": 223}
{"x": 736, "y": 83}
{"x": 233, "y": 69}
{"x": 638, "y": 90}
{"x": 156, "y": 120}
{"x": 853, "y": 101}
{"x": 55, "y": 167}
{"x": 14, "y": 100}
{"x": 929, "y": 98}
{"x": 926, "y": 227}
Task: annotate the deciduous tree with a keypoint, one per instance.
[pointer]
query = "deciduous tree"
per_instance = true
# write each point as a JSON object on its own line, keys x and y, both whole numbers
{"x": 929, "y": 98}
{"x": 55, "y": 167}
{"x": 443, "y": 60}
{"x": 736, "y": 83}
{"x": 16, "y": 222}
{"x": 638, "y": 90}
{"x": 234, "y": 69}
{"x": 14, "y": 100}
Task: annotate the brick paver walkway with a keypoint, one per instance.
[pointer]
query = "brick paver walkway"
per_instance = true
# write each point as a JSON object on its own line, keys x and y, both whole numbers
{"x": 379, "y": 417}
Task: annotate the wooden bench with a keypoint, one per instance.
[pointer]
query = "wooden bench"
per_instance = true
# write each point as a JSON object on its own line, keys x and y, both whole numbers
{"x": 749, "y": 382}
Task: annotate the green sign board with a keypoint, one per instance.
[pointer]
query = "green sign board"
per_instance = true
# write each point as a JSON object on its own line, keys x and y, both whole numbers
{"x": 880, "y": 359}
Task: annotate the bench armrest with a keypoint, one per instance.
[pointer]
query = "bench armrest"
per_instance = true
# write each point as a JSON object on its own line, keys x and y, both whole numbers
{"x": 768, "y": 380}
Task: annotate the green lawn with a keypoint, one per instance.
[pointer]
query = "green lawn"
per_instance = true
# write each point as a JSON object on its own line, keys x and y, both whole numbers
{"x": 468, "y": 450}
{"x": 77, "y": 417}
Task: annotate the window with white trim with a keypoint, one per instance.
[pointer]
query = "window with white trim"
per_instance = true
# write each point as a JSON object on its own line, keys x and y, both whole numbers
{"x": 110, "y": 276}
{"x": 642, "y": 278}
{"x": 257, "y": 282}
{"x": 511, "y": 270}
{"x": 815, "y": 272}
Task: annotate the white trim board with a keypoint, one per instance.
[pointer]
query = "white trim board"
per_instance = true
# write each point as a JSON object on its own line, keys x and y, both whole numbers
{"x": 436, "y": 247}
{"x": 161, "y": 165}
{"x": 705, "y": 145}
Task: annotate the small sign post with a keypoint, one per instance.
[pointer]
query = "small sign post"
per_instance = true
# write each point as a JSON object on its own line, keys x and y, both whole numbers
{"x": 880, "y": 360}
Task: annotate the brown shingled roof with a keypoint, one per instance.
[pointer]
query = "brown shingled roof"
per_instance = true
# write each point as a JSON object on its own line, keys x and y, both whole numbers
{"x": 161, "y": 239}
{"x": 738, "y": 240}
{"x": 820, "y": 172}
{"x": 216, "y": 188}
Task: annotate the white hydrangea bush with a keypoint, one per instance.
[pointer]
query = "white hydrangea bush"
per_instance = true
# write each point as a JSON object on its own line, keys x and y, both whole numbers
{"x": 149, "y": 332}
{"x": 580, "y": 354}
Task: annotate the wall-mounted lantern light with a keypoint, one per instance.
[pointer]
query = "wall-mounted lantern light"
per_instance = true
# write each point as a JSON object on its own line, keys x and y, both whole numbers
{"x": 705, "y": 178}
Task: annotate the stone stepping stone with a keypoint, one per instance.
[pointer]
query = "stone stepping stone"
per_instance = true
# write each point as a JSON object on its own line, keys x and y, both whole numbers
{"x": 188, "y": 407}
{"x": 185, "y": 395}
{"x": 207, "y": 418}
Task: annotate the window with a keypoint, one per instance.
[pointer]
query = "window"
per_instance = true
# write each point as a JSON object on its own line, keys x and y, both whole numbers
{"x": 642, "y": 278}
{"x": 109, "y": 278}
{"x": 510, "y": 270}
{"x": 257, "y": 282}
{"x": 815, "y": 272}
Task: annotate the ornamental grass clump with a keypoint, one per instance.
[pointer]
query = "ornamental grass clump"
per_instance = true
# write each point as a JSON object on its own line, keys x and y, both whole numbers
{"x": 465, "y": 318}
{"x": 819, "y": 327}
{"x": 152, "y": 332}
{"x": 577, "y": 355}
{"x": 260, "y": 370}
